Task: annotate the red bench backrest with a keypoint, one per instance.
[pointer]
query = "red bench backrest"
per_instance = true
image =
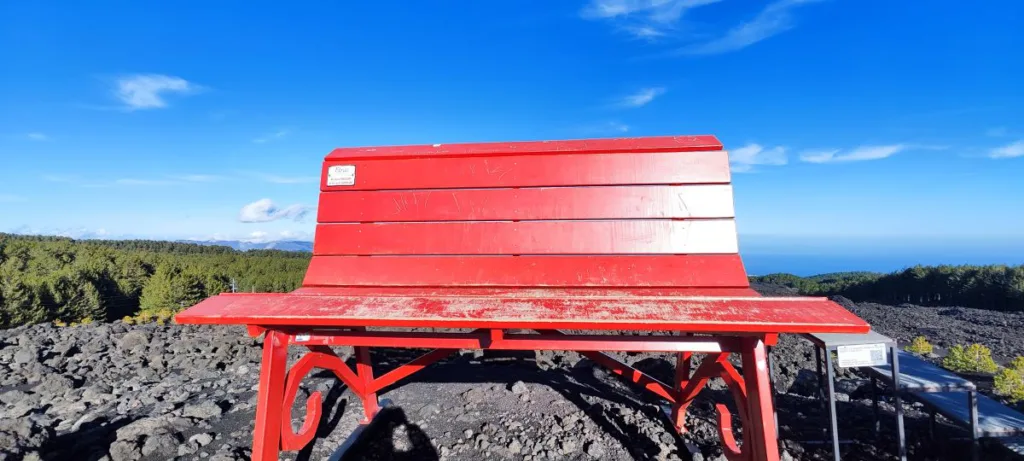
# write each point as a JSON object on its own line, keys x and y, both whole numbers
{"x": 632, "y": 212}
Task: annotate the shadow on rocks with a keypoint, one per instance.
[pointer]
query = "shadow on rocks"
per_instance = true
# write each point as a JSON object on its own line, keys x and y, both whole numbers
{"x": 392, "y": 437}
{"x": 328, "y": 420}
{"x": 89, "y": 443}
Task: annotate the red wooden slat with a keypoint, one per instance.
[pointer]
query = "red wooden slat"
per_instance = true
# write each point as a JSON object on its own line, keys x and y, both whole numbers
{"x": 621, "y": 202}
{"x": 527, "y": 292}
{"x": 717, "y": 236}
{"x": 721, "y": 315}
{"x": 534, "y": 171}
{"x": 645, "y": 144}
{"x": 530, "y": 271}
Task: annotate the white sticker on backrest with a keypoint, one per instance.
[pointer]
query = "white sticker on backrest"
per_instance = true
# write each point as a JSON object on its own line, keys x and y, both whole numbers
{"x": 341, "y": 175}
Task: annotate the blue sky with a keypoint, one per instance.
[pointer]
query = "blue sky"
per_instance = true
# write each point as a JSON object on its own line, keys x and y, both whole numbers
{"x": 847, "y": 120}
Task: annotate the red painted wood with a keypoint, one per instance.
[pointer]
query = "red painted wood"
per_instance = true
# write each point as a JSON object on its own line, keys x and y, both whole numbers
{"x": 535, "y": 171}
{"x": 643, "y": 144}
{"x": 721, "y": 315}
{"x": 612, "y": 202}
{"x": 513, "y": 292}
{"x": 762, "y": 439}
{"x": 364, "y": 370}
{"x": 270, "y": 400}
{"x": 546, "y": 340}
{"x": 535, "y": 271}
{"x": 528, "y": 237}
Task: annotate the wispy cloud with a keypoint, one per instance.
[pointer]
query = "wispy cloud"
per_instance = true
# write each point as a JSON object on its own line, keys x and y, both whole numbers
{"x": 604, "y": 128}
{"x": 264, "y": 210}
{"x": 1012, "y": 150}
{"x": 11, "y": 198}
{"x": 665, "y": 20}
{"x": 643, "y": 19}
{"x": 149, "y": 91}
{"x": 170, "y": 180}
{"x": 640, "y": 98}
{"x": 858, "y": 154}
{"x": 277, "y": 179}
{"x": 271, "y": 136}
{"x": 744, "y": 159}
{"x": 774, "y": 19}
{"x": 37, "y": 136}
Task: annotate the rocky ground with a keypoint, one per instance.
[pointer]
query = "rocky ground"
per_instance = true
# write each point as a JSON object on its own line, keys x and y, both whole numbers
{"x": 151, "y": 392}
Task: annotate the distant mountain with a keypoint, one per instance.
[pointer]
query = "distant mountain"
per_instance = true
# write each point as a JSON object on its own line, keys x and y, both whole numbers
{"x": 283, "y": 245}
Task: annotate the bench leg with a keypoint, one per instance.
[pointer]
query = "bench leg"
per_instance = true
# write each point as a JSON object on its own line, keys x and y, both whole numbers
{"x": 832, "y": 416}
{"x": 266, "y": 442}
{"x": 901, "y": 442}
{"x": 760, "y": 437}
{"x": 972, "y": 401}
{"x": 364, "y": 368}
{"x": 874, "y": 404}
{"x": 683, "y": 360}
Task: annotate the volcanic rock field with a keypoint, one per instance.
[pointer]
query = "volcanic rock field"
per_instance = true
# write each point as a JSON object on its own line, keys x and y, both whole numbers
{"x": 156, "y": 392}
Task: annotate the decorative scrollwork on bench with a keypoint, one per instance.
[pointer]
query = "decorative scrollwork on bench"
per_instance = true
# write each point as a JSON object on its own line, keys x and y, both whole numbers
{"x": 712, "y": 366}
{"x": 318, "y": 357}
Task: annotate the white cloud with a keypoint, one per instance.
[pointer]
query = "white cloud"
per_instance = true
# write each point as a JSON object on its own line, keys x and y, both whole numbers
{"x": 645, "y": 19}
{"x": 606, "y": 128}
{"x": 656, "y": 20}
{"x": 147, "y": 91}
{"x": 264, "y": 210}
{"x": 818, "y": 156}
{"x": 276, "y": 179}
{"x": 272, "y": 136}
{"x": 1008, "y": 151}
{"x": 858, "y": 154}
{"x": 745, "y": 158}
{"x": 157, "y": 181}
{"x": 37, "y": 136}
{"x": 11, "y": 198}
{"x": 776, "y": 18}
{"x": 641, "y": 98}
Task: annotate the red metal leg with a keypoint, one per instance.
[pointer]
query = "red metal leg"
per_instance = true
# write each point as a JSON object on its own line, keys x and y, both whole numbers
{"x": 266, "y": 443}
{"x": 632, "y": 374}
{"x": 408, "y": 369}
{"x": 682, "y": 378}
{"x": 364, "y": 368}
{"x": 760, "y": 438}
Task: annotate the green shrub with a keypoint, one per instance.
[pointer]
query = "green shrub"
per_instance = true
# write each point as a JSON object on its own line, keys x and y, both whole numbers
{"x": 1009, "y": 383}
{"x": 1017, "y": 364}
{"x": 975, "y": 358}
{"x": 919, "y": 346}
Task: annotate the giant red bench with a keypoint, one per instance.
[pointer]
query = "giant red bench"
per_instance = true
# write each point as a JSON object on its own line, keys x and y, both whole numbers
{"x": 504, "y": 246}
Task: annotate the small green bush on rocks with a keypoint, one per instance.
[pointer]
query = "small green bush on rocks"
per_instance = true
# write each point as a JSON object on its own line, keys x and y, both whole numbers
{"x": 975, "y": 358}
{"x": 919, "y": 346}
{"x": 1009, "y": 382}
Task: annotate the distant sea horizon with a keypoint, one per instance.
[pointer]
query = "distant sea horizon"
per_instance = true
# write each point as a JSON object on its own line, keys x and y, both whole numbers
{"x": 818, "y": 255}
{"x": 763, "y": 254}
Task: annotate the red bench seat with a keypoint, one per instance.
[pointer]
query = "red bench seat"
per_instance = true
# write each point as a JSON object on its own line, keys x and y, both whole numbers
{"x": 590, "y": 309}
